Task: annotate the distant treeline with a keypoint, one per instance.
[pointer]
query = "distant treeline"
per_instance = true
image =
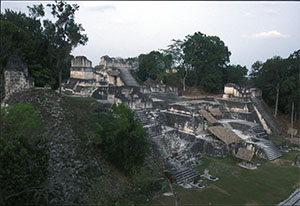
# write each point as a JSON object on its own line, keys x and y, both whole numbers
{"x": 203, "y": 61}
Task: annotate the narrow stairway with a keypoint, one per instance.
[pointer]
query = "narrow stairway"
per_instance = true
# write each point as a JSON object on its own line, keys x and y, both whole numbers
{"x": 127, "y": 78}
{"x": 268, "y": 117}
{"x": 184, "y": 174}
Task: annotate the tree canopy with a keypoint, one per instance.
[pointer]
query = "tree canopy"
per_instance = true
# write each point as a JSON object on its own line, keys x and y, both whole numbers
{"x": 63, "y": 34}
{"x": 23, "y": 36}
{"x": 199, "y": 60}
{"x": 23, "y": 156}
{"x": 279, "y": 80}
{"x": 208, "y": 56}
{"x": 175, "y": 50}
{"x": 121, "y": 138}
{"x": 152, "y": 65}
{"x": 235, "y": 74}
{"x": 43, "y": 45}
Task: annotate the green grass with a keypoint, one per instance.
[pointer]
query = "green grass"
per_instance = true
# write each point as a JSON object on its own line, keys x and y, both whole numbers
{"x": 271, "y": 183}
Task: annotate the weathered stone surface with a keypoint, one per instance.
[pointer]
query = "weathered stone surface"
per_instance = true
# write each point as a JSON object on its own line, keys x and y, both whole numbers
{"x": 16, "y": 77}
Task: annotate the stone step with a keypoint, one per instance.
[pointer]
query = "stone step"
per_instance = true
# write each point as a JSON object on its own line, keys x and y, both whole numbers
{"x": 272, "y": 152}
{"x": 128, "y": 78}
{"x": 184, "y": 174}
{"x": 182, "y": 179}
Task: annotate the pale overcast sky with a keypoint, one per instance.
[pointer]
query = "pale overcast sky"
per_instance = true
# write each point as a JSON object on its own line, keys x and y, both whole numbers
{"x": 251, "y": 30}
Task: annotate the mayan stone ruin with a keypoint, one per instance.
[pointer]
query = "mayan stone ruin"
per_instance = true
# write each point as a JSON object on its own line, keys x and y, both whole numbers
{"x": 16, "y": 78}
{"x": 182, "y": 128}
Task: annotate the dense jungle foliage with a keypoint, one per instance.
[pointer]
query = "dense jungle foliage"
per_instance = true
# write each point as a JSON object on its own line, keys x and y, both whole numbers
{"x": 23, "y": 155}
{"x": 44, "y": 45}
{"x": 121, "y": 138}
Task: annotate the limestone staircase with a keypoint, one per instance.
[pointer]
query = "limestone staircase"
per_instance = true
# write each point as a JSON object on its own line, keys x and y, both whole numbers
{"x": 268, "y": 148}
{"x": 268, "y": 117}
{"x": 127, "y": 78}
{"x": 272, "y": 152}
{"x": 292, "y": 200}
{"x": 184, "y": 174}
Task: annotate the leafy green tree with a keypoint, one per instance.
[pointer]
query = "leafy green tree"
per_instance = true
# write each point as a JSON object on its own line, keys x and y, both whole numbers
{"x": 208, "y": 56}
{"x": 23, "y": 156}
{"x": 171, "y": 79}
{"x": 133, "y": 62}
{"x": 25, "y": 37}
{"x": 269, "y": 77}
{"x": 121, "y": 138}
{"x": 235, "y": 74}
{"x": 22, "y": 36}
{"x": 63, "y": 34}
{"x": 291, "y": 84}
{"x": 152, "y": 65}
{"x": 175, "y": 50}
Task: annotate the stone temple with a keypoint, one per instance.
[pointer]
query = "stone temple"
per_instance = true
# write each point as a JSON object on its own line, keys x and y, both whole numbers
{"x": 182, "y": 128}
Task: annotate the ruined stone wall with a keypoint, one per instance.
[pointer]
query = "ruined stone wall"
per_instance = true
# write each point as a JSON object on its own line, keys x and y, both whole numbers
{"x": 76, "y": 74}
{"x": 111, "y": 62}
{"x": 235, "y": 106}
{"x": 82, "y": 73}
{"x": 187, "y": 123}
{"x": 209, "y": 147}
{"x": 235, "y": 91}
{"x": 81, "y": 68}
{"x": 16, "y": 77}
{"x": 81, "y": 61}
{"x": 15, "y": 81}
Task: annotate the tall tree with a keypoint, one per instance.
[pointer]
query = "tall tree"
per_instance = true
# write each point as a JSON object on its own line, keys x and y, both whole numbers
{"x": 208, "y": 56}
{"x": 291, "y": 84}
{"x": 279, "y": 80}
{"x": 64, "y": 34}
{"x": 175, "y": 50}
{"x": 269, "y": 78}
{"x": 235, "y": 74}
{"x": 152, "y": 65}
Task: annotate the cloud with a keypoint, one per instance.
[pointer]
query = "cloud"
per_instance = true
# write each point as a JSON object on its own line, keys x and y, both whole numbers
{"x": 103, "y": 8}
{"x": 269, "y": 34}
{"x": 271, "y": 11}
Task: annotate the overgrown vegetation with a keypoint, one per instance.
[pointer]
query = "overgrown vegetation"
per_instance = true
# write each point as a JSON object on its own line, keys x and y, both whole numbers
{"x": 121, "y": 138}
{"x": 23, "y": 156}
{"x": 280, "y": 82}
{"x": 43, "y": 45}
{"x": 112, "y": 185}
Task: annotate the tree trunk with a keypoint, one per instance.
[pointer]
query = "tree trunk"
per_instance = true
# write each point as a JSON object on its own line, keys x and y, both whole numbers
{"x": 59, "y": 78}
{"x": 277, "y": 99}
{"x": 183, "y": 83}
{"x": 58, "y": 67}
{"x": 292, "y": 119}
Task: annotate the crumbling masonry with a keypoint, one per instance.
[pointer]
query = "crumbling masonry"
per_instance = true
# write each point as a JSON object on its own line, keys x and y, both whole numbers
{"x": 182, "y": 128}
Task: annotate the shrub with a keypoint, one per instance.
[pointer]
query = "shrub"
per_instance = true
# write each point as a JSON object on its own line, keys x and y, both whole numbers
{"x": 121, "y": 138}
{"x": 23, "y": 156}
